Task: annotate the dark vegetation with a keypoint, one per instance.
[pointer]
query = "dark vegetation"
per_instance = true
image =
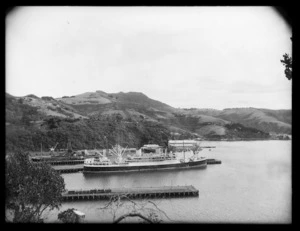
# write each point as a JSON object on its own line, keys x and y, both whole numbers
{"x": 187, "y": 122}
{"x": 236, "y": 130}
{"x": 68, "y": 216}
{"x": 32, "y": 96}
{"x": 19, "y": 113}
{"x": 47, "y": 98}
{"x": 287, "y": 61}
{"x": 82, "y": 133}
{"x": 30, "y": 188}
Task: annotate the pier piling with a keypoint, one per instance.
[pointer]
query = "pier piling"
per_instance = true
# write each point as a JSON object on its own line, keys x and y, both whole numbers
{"x": 133, "y": 193}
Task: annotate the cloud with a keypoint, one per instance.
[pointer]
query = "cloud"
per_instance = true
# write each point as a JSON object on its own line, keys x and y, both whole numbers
{"x": 247, "y": 87}
{"x": 183, "y": 56}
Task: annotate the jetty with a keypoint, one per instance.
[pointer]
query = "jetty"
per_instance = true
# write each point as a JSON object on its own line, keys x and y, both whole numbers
{"x": 58, "y": 162}
{"x": 131, "y": 193}
{"x": 213, "y": 161}
{"x": 69, "y": 169}
{"x": 66, "y": 162}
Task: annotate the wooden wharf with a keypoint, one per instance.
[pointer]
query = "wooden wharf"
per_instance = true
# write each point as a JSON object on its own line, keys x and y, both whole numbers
{"x": 69, "y": 169}
{"x": 58, "y": 162}
{"x": 131, "y": 193}
{"x": 66, "y": 162}
{"x": 213, "y": 161}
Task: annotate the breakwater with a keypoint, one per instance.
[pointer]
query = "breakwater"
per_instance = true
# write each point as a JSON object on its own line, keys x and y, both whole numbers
{"x": 132, "y": 193}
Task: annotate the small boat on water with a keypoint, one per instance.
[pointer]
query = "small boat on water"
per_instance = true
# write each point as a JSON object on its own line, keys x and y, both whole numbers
{"x": 149, "y": 157}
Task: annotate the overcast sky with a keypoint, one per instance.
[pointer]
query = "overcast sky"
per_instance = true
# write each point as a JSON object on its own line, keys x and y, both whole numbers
{"x": 203, "y": 57}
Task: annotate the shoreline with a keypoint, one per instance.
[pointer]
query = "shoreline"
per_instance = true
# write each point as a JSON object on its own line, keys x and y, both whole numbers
{"x": 249, "y": 139}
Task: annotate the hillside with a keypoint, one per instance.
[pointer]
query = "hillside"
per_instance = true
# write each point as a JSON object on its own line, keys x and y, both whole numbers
{"x": 99, "y": 118}
{"x": 93, "y": 101}
{"x": 274, "y": 121}
{"x": 134, "y": 105}
{"x": 45, "y": 106}
{"x": 32, "y": 121}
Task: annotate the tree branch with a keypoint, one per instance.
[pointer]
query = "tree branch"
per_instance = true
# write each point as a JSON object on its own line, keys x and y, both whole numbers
{"x": 160, "y": 210}
{"x": 40, "y": 213}
{"x": 112, "y": 199}
{"x": 132, "y": 215}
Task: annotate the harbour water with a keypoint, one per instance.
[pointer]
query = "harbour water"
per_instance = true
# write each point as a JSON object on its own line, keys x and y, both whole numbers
{"x": 252, "y": 185}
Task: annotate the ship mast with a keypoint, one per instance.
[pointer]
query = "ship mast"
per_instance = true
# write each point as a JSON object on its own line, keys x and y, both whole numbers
{"x": 119, "y": 151}
{"x": 183, "y": 152}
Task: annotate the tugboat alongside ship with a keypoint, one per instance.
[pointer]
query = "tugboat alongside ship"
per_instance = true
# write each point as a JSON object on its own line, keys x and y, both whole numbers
{"x": 149, "y": 157}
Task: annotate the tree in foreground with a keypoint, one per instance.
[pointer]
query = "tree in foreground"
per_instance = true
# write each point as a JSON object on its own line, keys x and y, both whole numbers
{"x": 122, "y": 207}
{"x": 287, "y": 62}
{"x": 68, "y": 216}
{"x": 31, "y": 188}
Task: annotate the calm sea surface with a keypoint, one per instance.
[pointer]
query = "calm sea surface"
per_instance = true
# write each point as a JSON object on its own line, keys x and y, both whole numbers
{"x": 252, "y": 185}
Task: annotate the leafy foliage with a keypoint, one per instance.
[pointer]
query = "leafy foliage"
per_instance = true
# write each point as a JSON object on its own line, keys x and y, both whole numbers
{"x": 31, "y": 188}
{"x": 236, "y": 130}
{"x": 187, "y": 122}
{"x": 287, "y": 62}
{"x": 86, "y": 134}
{"x": 19, "y": 113}
{"x": 68, "y": 216}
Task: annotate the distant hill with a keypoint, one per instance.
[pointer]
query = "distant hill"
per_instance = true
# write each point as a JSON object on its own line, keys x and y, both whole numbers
{"x": 100, "y": 97}
{"x": 45, "y": 106}
{"x": 132, "y": 105}
{"x": 129, "y": 118}
{"x": 277, "y": 121}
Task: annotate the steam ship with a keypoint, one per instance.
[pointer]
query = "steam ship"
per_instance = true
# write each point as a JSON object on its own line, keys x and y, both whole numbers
{"x": 149, "y": 157}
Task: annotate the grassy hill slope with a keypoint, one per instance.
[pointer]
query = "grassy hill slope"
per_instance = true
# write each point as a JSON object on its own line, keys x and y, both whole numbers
{"x": 276, "y": 121}
{"x": 133, "y": 119}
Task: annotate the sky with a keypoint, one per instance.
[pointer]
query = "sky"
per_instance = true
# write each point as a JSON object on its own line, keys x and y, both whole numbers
{"x": 200, "y": 57}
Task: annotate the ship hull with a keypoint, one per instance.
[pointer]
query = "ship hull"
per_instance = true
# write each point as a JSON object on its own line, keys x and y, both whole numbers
{"x": 108, "y": 169}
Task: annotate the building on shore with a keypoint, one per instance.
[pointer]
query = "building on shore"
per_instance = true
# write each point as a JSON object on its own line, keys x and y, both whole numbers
{"x": 181, "y": 145}
{"x": 79, "y": 216}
